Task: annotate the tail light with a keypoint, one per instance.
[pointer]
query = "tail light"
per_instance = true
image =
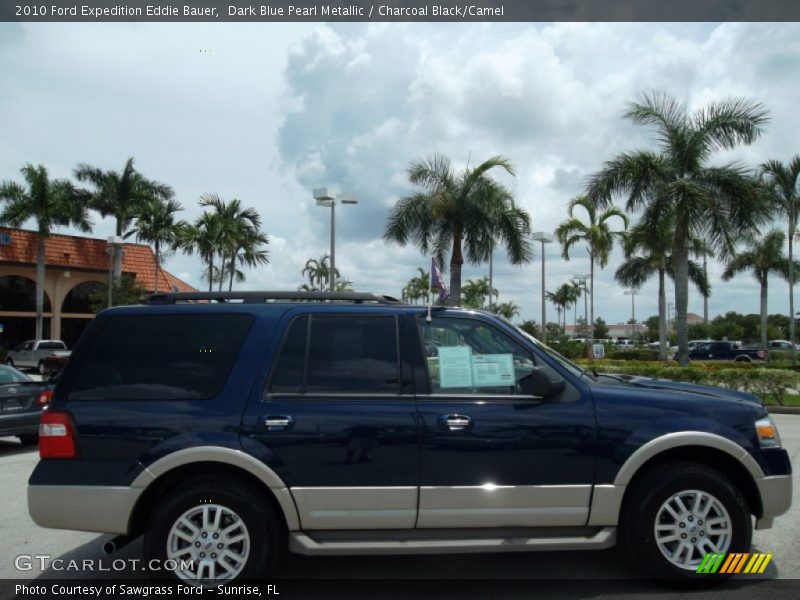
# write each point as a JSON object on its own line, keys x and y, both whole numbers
{"x": 57, "y": 435}
{"x": 44, "y": 398}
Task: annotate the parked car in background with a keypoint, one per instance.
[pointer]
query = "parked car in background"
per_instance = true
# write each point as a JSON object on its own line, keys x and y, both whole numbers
{"x": 21, "y": 403}
{"x": 31, "y": 354}
{"x": 55, "y": 363}
{"x": 782, "y": 345}
{"x": 725, "y": 351}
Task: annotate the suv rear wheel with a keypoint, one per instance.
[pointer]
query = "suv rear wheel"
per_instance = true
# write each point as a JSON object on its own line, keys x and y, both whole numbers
{"x": 679, "y": 512}
{"x": 214, "y": 530}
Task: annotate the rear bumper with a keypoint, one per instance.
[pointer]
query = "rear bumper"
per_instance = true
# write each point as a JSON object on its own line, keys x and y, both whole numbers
{"x": 102, "y": 509}
{"x": 22, "y": 423}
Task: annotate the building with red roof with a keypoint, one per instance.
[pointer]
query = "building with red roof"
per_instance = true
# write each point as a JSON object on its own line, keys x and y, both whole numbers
{"x": 75, "y": 266}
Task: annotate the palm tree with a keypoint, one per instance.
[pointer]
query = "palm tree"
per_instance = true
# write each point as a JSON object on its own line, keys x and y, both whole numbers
{"x": 476, "y": 291}
{"x": 240, "y": 237}
{"x": 598, "y": 236}
{"x": 120, "y": 195}
{"x": 417, "y": 287}
{"x": 319, "y": 272}
{"x": 648, "y": 252}
{"x": 247, "y": 250}
{"x": 203, "y": 236}
{"x": 507, "y": 310}
{"x": 156, "y": 225}
{"x": 714, "y": 203}
{"x": 764, "y": 256}
{"x": 454, "y": 212}
{"x": 51, "y": 203}
{"x": 557, "y": 299}
{"x": 783, "y": 183}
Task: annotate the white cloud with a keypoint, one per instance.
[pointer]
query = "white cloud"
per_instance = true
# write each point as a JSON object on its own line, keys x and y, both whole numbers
{"x": 275, "y": 110}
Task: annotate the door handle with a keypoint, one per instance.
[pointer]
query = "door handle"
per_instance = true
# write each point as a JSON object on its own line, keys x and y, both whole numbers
{"x": 455, "y": 422}
{"x": 278, "y": 422}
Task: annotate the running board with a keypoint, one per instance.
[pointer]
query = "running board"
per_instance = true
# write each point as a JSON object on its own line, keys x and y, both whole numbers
{"x": 301, "y": 543}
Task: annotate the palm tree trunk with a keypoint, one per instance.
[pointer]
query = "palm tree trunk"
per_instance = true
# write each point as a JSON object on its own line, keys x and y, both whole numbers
{"x": 210, "y": 271}
{"x": 662, "y": 312}
{"x": 680, "y": 257}
{"x": 233, "y": 269}
{"x": 591, "y": 306}
{"x": 792, "y": 332}
{"x": 40, "y": 256}
{"x": 118, "y": 254}
{"x": 456, "y": 260}
{"x": 764, "y": 313}
{"x": 705, "y": 296}
{"x": 222, "y": 260}
{"x": 158, "y": 262}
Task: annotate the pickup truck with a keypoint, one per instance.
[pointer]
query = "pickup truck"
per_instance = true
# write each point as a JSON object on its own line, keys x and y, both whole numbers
{"x": 31, "y": 354}
{"x": 725, "y": 351}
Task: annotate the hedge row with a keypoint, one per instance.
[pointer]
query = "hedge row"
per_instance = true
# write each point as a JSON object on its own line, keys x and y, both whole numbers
{"x": 756, "y": 380}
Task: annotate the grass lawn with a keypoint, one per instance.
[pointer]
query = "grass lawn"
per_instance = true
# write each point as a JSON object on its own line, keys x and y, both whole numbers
{"x": 788, "y": 400}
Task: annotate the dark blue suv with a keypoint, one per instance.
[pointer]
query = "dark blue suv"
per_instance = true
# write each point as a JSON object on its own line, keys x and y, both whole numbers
{"x": 228, "y": 427}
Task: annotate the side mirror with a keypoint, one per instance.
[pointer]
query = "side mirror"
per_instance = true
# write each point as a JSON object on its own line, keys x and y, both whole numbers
{"x": 542, "y": 382}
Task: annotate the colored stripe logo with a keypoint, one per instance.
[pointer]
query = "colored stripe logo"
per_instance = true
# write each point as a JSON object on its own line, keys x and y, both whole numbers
{"x": 734, "y": 563}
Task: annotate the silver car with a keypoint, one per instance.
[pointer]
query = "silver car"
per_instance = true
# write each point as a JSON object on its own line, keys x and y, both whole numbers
{"x": 31, "y": 354}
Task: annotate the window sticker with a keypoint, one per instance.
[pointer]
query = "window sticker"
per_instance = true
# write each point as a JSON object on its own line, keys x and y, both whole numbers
{"x": 455, "y": 366}
{"x": 491, "y": 370}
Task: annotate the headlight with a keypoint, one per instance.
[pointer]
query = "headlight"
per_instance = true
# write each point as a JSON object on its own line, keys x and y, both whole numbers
{"x": 767, "y": 433}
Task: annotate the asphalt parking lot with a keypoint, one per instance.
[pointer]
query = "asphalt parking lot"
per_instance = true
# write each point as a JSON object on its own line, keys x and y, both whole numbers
{"x": 585, "y": 574}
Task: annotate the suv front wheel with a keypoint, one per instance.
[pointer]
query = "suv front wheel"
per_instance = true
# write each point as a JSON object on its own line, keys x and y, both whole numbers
{"x": 679, "y": 512}
{"x": 213, "y": 530}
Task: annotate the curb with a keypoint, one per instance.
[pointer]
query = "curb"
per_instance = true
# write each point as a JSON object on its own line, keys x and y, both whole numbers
{"x": 784, "y": 410}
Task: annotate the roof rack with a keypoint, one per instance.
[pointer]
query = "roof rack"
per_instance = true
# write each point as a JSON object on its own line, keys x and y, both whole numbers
{"x": 264, "y": 297}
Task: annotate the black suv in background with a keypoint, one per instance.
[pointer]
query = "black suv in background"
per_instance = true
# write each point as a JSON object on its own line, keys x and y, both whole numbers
{"x": 226, "y": 428}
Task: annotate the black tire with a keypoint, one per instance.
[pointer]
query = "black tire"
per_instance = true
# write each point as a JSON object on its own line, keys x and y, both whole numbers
{"x": 646, "y": 496}
{"x": 29, "y": 439}
{"x": 265, "y": 529}
{"x": 743, "y": 359}
{"x": 10, "y": 361}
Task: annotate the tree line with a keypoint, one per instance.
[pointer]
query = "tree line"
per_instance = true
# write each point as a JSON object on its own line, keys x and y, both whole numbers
{"x": 687, "y": 207}
{"x": 227, "y": 235}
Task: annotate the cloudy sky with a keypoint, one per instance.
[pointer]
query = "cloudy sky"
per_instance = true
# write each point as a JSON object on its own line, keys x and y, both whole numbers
{"x": 266, "y": 112}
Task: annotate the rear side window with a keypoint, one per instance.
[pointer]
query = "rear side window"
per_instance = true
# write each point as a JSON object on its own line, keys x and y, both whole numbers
{"x": 339, "y": 354}
{"x": 52, "y": 346}
{"x": 161, "y": 357}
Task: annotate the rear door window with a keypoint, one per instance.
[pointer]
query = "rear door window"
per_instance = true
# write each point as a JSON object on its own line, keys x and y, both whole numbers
{"x": 339, "y": 354}
{"x": 161, "y": 357}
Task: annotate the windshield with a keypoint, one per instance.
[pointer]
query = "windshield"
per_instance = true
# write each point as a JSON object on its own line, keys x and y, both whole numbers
{"x": 9, "y": 375}
{"x": 561, "y": 360}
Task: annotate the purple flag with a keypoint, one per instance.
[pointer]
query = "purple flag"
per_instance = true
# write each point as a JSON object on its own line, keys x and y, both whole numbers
{"x": 437, "y": 282}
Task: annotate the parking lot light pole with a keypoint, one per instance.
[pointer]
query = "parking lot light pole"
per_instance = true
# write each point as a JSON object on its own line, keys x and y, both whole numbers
{"x": 326, "y": 199}
{"x": 544, "y": 238}
{"x": 632, "y": 293}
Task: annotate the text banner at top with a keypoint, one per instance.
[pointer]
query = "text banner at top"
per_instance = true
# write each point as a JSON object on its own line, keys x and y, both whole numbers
{"x": 412, "y": 10}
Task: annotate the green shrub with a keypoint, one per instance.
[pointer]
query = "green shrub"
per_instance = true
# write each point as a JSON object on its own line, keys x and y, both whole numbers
{"x": 640, "y": 354}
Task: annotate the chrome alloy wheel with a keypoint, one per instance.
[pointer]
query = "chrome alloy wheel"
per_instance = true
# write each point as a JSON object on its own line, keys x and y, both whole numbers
{"x": 209, "y": 543}
{"x": 691, "y": 524}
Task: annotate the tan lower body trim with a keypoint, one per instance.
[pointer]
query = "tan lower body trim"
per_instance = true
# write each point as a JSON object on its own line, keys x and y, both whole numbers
{"x": 606, "y": 504}
{"x": 356, "y": 507}
{"x": 503, "y": 506}
{"x": 103, "y": 509}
